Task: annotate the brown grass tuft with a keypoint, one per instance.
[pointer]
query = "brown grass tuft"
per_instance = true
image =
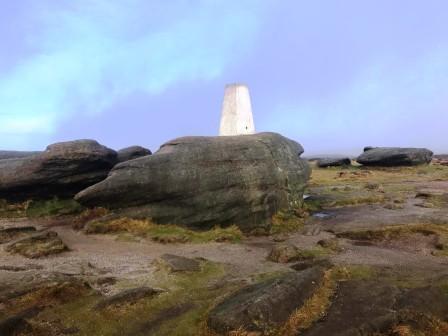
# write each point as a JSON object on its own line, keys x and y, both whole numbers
{"x": 313, "y": 309}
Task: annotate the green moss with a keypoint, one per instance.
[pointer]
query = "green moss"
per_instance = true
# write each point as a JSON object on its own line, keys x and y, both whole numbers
{"x": 397, "y": 231}
{"x": 181, "y": 310}
{"x": 286, "y": 222}
{"x": 53, "y": 207}
{"x": 354, "y": 272}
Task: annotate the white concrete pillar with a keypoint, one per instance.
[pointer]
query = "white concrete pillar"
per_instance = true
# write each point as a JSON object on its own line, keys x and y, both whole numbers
{"x": 236, "y": 115}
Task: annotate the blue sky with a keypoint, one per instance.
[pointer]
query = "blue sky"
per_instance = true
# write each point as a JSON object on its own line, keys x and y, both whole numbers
{"x": 334, "y": 75}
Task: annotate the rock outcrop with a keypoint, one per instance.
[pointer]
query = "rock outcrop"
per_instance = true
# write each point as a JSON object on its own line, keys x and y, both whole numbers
{"x": 39, "y": 245}
{"x": 63, "y": 169}
{"x": 206, "y": 181}
{"x": 15, "y": 154}
{"x": 267, "y": 305}
{"x": 373, "y": 308}
{"x": 334, "y": 162}
{"x": 131, "y": 153}
{"x": 394, "y": 156}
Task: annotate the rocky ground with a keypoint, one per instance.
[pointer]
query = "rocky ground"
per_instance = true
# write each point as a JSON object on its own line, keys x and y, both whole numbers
{"x": 369, "y": 257}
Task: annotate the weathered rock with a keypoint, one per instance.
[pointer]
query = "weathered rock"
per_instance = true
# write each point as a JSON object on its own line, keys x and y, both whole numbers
{"x": 367, "y": 307}
{"x": 391, "y": 156}
{"x": 131, "y": 153}
{"x": 284, "y": 253}
{"x": 266, "y": 305}
{"x": 15, "y": 154}
{"x": 367, "y": 148}
{"x": 11, "y": 233}
{"x": 38, "y": 245}
{"x": 359, "y": 306}
{"x": 206, "y": 181}
{"x": 180, "y": 264}
{"x": 128, "y": 297}
{"x": 333, "y": 162}
{"x": 62, "y": 170}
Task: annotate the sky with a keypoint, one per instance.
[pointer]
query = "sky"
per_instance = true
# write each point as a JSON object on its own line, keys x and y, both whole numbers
{"x": 334, "y": 75}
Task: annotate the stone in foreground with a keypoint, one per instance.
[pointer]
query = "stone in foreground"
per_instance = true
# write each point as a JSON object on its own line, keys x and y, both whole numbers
{"x": 267, "y": 305}
{"x": 391, "y": 156}
{"x": 207, "y": 181}
{"x": 180, "y": 264}
{"x": 375, "y": 308}
{"x": 131, "y": 153}
{"x": 62, "y": 170}
{"x": 38, "y": 245}
{"x": 334, "y": 162}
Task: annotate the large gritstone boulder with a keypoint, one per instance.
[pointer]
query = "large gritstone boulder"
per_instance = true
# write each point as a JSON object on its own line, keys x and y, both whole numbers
{"x": 206, "y": 181}
{"x": 15, "y": 154}
{"x": 131, "y": 153}
{"x": 389, "y": 157}
{"x": 62, "y": 170}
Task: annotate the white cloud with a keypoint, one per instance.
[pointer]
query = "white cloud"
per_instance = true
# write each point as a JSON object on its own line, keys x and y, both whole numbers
{"x": 92, "y": 53}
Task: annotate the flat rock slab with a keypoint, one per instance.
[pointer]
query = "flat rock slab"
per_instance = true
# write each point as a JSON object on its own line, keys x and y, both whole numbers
{"x": 129, "y": 296}
{"x": 180, "y": 264}
{"x": 38, "y": 245}
{"x": 265, "y": 305}
{"x": 363, "y": 307}
{"x": 395, "y": 156}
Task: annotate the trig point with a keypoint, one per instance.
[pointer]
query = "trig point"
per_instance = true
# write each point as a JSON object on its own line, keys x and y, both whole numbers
{"x": 236, "y": 115}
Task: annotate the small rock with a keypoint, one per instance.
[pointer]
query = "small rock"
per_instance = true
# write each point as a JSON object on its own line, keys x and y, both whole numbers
{"x": 129, "y": 296}
{"x": 331, "y": 244}
{"x": 106, "y": 281}
{"x": 280, "y": 237}
{"x": 394, "y": 206}
{"x": 38, "y": 245}
{"x": 284, "y": 253}
{"x": 428, "y": 205}
{"x": 372, "y": 186}
{"x": 180, "y": 264}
